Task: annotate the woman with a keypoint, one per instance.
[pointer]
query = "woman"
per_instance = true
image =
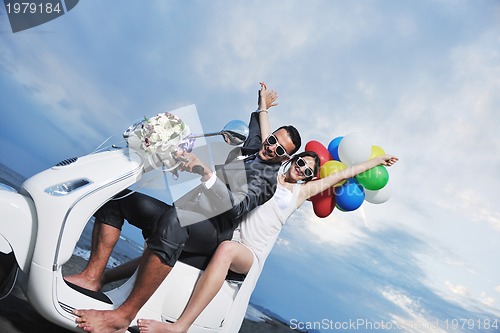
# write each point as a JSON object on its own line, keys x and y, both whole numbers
{"x": 255, "y": 237}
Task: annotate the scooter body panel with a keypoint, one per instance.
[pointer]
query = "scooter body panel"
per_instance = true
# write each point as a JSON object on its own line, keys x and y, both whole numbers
{"x": 18, "y": 227}
{"x": 66, "y": 196}
{"x": 171, "y": 298}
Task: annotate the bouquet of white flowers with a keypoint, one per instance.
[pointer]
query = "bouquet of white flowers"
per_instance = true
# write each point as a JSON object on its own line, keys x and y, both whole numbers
{"x": 157, "y": 138}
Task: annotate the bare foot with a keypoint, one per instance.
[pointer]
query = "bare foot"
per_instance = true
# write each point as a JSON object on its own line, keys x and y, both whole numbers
{"x": 154, "y": 326}
{"x": 101, "y": 321}
{"x": 84, "y": 281}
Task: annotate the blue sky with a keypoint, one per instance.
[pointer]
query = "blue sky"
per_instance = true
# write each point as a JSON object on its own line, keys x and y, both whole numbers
{"x": 419, "y": 78}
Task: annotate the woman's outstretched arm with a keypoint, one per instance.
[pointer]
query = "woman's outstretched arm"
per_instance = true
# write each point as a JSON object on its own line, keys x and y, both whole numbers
{"x": 312, "y": 188}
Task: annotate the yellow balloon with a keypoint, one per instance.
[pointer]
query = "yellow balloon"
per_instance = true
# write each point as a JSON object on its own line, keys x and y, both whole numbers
{"x": 376, "y": 152}
{"x": 330, "y": 167}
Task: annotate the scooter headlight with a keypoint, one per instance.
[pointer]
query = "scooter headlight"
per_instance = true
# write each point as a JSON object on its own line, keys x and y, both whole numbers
{"x": 67, "y": 187}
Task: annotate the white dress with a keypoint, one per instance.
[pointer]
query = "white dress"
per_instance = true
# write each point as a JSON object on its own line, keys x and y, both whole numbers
{"x": 258, "y": 231}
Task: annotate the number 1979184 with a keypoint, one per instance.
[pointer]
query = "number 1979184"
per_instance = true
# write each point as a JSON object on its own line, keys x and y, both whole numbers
{"x": 32, "y": 8}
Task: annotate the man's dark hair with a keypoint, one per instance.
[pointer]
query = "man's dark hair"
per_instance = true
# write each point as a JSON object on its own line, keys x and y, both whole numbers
{"x": 294, "y": 134}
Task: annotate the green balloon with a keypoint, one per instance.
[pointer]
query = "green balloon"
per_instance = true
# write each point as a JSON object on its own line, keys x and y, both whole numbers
{"x": 374, "y": 179}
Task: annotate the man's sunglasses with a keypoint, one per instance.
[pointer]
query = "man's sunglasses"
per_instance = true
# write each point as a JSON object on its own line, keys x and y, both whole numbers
{"x": 301, "y": 163}
{"x": 280, "y": 151}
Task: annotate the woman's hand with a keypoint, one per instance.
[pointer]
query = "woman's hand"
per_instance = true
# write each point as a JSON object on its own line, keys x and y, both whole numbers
{"x": 388, "y": 160}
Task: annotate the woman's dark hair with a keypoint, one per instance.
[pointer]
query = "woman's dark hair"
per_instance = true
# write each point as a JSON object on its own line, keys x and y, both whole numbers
{"x": 317, "y": 162}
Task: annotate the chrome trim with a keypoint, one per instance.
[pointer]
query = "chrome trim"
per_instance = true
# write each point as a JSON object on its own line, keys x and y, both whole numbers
{"x": 66, "y": 307}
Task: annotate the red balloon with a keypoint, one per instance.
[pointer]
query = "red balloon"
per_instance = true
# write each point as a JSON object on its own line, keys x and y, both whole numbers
{"x": 318, "y": 148}
{"x": 323, "y": 203}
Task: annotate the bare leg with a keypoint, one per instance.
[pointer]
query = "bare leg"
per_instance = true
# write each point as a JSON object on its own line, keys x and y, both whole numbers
{"x": 152, "y": 271}
{"x": 104, "y": 238}
{"x": 229, "y": 255}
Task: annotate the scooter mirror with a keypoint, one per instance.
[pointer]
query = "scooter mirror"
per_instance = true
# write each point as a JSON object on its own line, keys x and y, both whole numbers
{"x": 235, "y": 132}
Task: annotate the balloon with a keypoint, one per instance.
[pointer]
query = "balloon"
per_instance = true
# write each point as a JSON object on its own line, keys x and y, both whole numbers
{"x": 331, "y": 167}
{"x": 376, "y": 151}
{"x": 333, "y": 148}
{"x": 374, "y": 179}
{"x": 349, "y": 196}
{"x": 323, "y": 203}
{"x": 319, "y": 149}
{"x": 379, "y": 196}
{"x": 354, "y": 149}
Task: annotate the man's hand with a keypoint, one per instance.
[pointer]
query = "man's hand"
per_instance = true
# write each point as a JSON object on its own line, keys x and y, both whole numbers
{"x": 191, "y": 163}
{"x": 267, "y": 97}
{"x": 271, "y": 97}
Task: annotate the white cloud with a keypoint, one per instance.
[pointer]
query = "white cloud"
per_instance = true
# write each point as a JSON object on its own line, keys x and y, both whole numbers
{"x": 474, "y": 203}
{"x": 67, "y": 94}
{"x": 283, "y": 242}
{"x": 249, "y": 42}
{"x": 406, "y": 25}
{"x": 416, "y": 318}
{"x": 367, "y": 89}
{"x": 486, "y": 299}
{"x": 457, "y": 289}
{"x": 339, "y": 229}
{"x": 469, "y": 298}
{"x": 245, "y": 42}
{"x": 451, "y": 132}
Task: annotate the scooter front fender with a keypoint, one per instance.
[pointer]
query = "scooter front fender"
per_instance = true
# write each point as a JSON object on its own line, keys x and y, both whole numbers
{"x": 18, "y": 226}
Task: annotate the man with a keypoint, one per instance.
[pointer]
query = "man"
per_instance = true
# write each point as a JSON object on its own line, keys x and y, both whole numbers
{"x": 201, "y": 220}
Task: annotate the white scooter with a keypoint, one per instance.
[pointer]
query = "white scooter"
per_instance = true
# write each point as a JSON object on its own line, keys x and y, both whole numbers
{"x": 40, "y": 226}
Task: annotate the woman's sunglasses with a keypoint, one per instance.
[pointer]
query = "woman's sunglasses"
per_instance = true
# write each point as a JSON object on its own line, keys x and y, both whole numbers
{"x": 280, "y": 151}
{"x": 301, "y": 163}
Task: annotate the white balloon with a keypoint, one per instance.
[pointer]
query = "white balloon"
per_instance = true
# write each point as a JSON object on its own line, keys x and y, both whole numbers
{"x": 354, "y": 149}
{"x": 379, "y": 196}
